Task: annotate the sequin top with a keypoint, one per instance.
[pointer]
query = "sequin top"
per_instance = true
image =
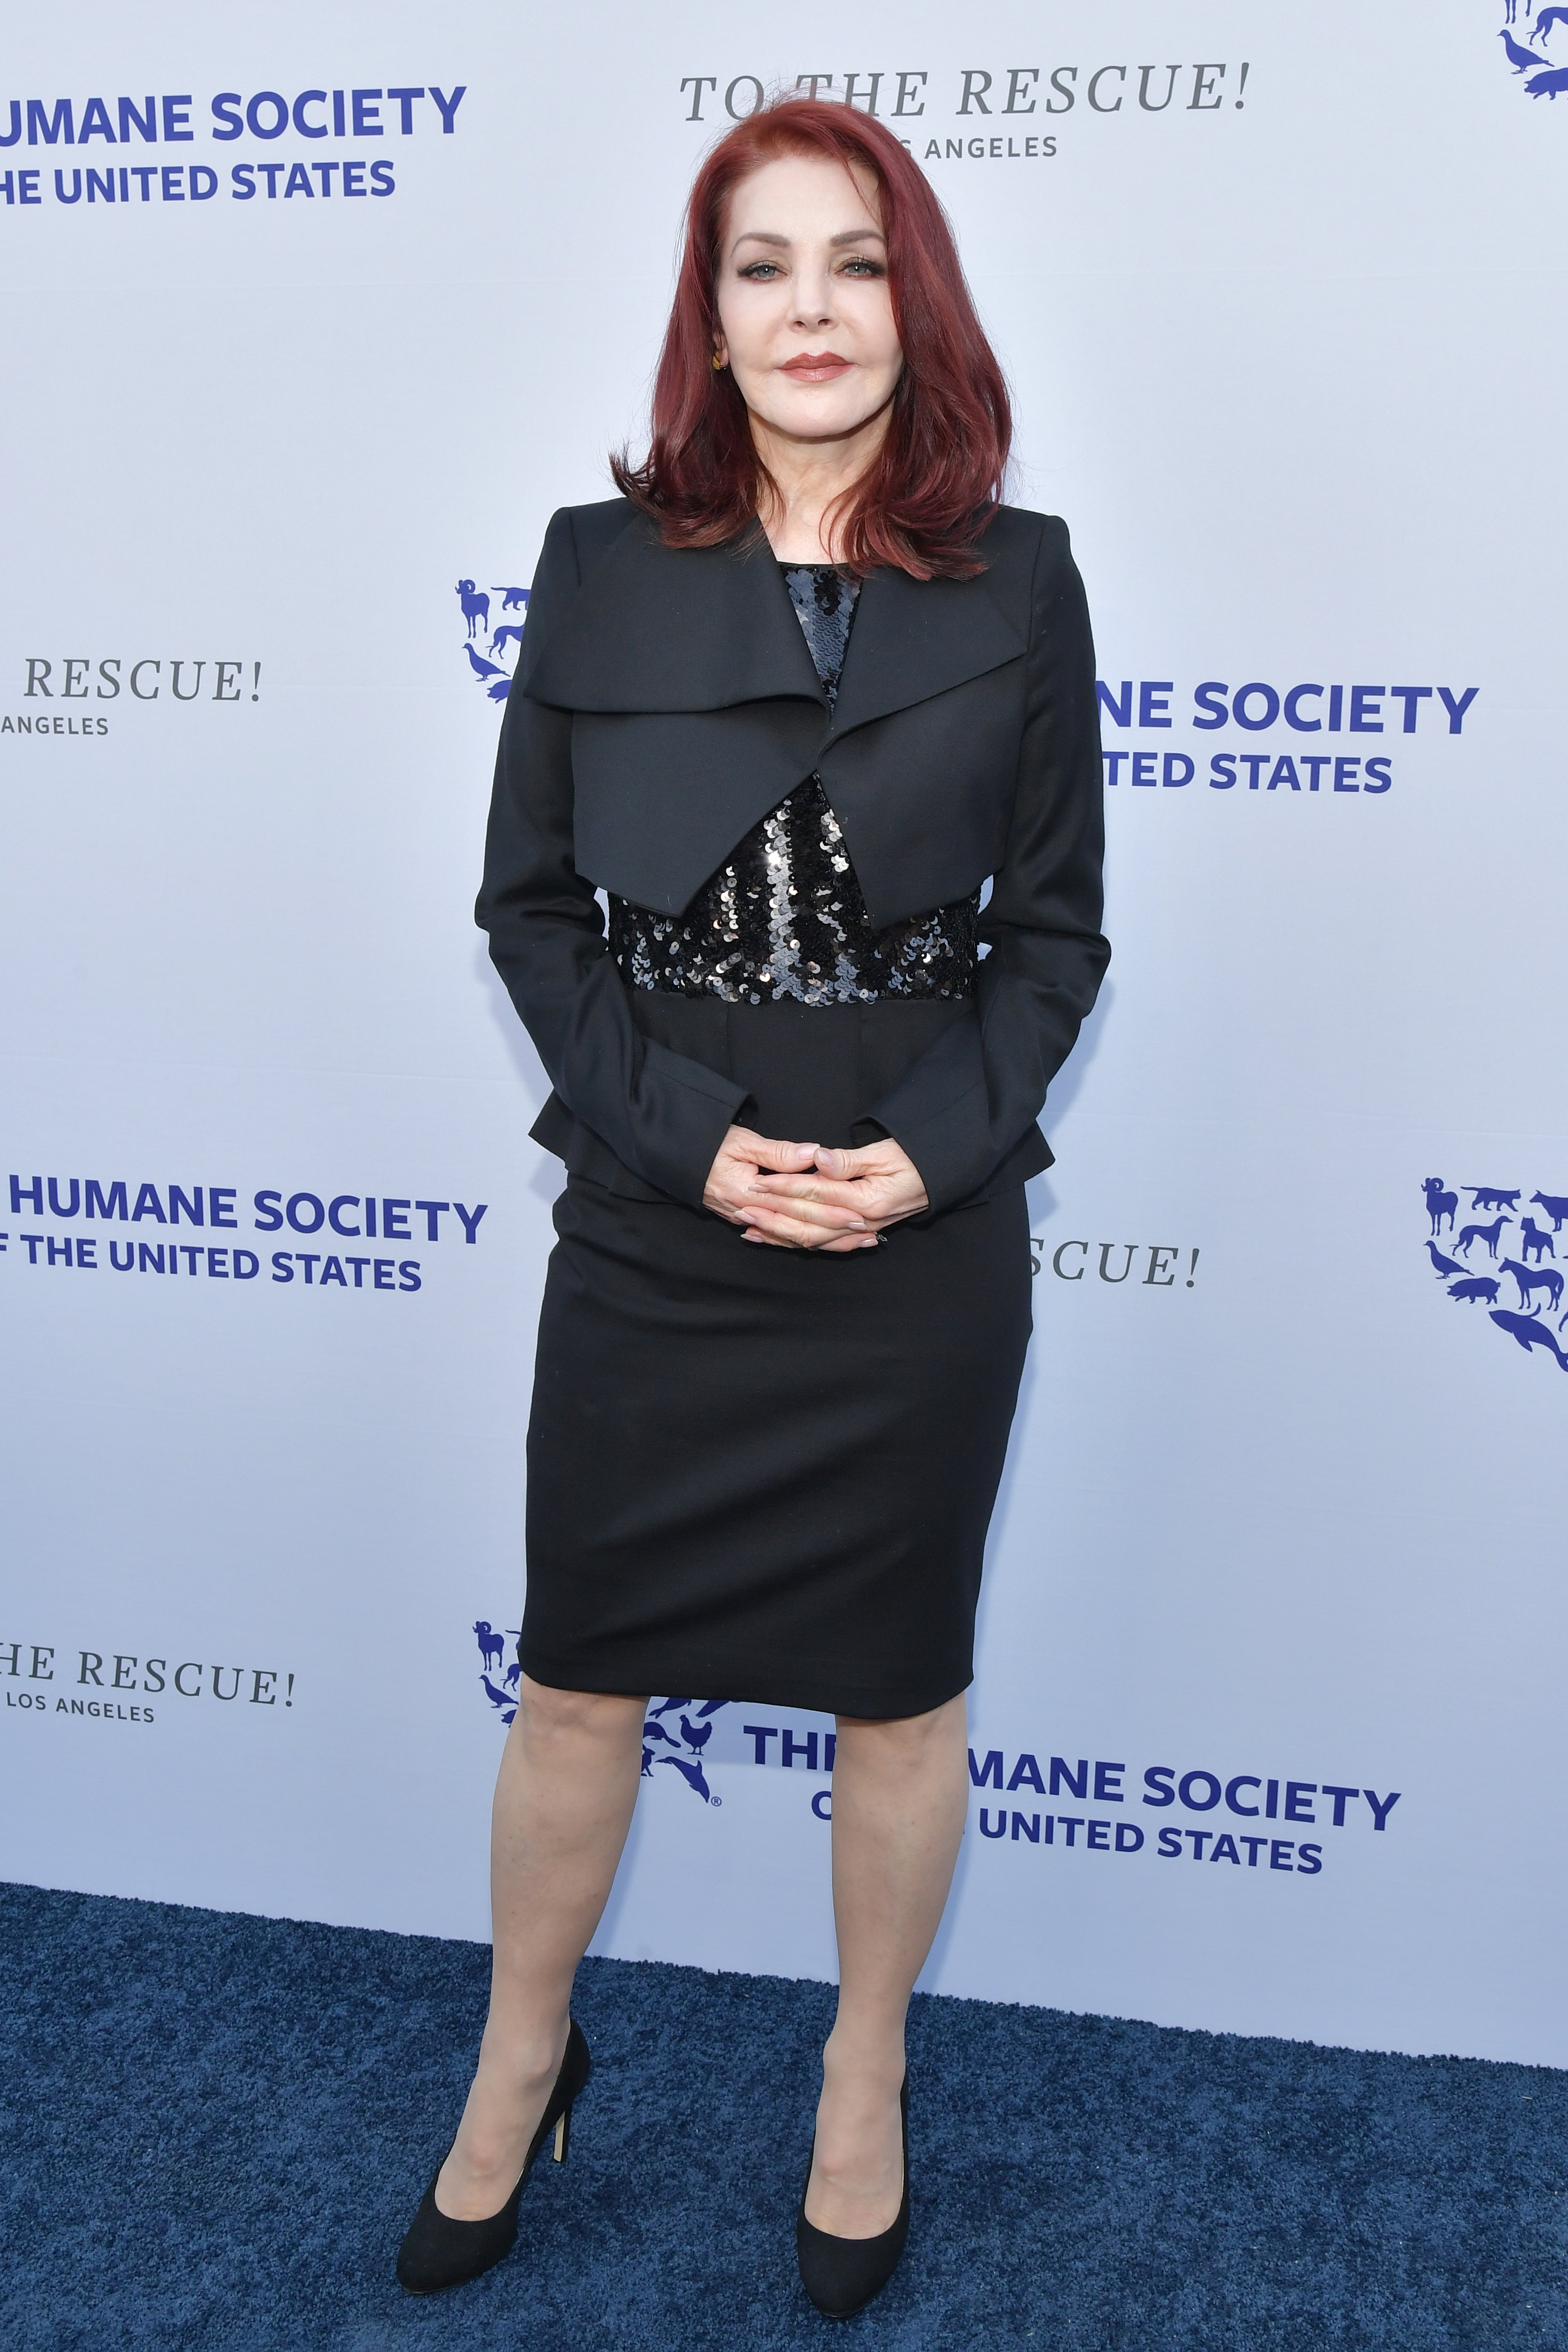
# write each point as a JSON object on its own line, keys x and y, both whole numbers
{"x": 785, "y": 917}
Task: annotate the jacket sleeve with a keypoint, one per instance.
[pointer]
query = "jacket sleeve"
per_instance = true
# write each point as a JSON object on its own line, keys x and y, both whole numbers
{"x": 661, "y": 1114}
{"x": 966, "y": 1103}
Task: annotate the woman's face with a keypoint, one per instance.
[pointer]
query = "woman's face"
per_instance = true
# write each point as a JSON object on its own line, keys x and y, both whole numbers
{"x": 805, "y": 312}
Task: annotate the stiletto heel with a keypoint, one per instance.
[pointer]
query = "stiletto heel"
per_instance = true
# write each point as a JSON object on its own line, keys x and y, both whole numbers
{"x": 842, "y": 2274}
{"x": 439, "y": 2252}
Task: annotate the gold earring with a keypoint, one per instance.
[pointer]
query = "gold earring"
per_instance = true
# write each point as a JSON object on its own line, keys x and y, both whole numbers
{"x": 718, "y": 362}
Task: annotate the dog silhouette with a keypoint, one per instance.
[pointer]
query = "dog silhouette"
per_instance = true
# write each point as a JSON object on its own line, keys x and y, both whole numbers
{"x": 1520, "y": 59}
{"x": 492, "y": 1649}
{"x": 1533, "y": 1242}
{"x": 1476, "y": 1286}
{"x": 1440, "y": 1204}
{"x": 1484, "y": 1196}
{"x": 513, "y": 600}
{"x": 1544, "y": 22}
{"x": 1555, "y": 1206}
{"x": 476, "y": 605}
{"x": 1530, "y": 1332}
{"x": 1441, "y": 1265}
{"x": 1487, "y": 1233}
{"x": 499, "y": 640}
{"x": 1546, "y": 1278}
{"x": 1547, "y": 85}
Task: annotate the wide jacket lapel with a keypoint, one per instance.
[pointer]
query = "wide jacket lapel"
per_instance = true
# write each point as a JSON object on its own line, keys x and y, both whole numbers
{"x": 914, "y": 638}
{"x": 657, "y": 628}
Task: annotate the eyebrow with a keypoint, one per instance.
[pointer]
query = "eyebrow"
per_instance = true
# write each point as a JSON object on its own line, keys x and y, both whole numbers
{"x": 844, "y": 237}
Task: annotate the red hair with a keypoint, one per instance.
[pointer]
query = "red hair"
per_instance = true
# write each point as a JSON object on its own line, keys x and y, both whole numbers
{"x": 937, "y": 477}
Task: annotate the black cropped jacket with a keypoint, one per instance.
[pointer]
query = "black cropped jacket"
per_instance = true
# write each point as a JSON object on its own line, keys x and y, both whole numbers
{"x": 666, "y": 701}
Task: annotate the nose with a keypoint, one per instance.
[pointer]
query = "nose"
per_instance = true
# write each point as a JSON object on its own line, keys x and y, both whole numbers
{"x": 814, "y": 297}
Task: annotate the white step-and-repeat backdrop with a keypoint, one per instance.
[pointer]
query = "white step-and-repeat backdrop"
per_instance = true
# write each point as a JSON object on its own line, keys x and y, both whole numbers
{"x": 313, "y": 317}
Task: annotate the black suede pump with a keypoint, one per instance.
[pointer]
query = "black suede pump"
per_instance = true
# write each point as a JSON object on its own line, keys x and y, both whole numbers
{"x": 439, "y": 2252}
{"x": 842, "y": 2274}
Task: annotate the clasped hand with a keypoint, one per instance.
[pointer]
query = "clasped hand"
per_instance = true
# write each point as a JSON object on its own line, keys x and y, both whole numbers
{"x": 804, "y": 1196}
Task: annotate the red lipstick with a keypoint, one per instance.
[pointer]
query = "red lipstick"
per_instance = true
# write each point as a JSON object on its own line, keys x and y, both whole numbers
{"x": 816, "y": 367}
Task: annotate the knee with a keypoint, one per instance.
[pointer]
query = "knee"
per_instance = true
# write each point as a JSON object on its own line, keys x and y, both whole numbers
{"x": 547, "y": 1715}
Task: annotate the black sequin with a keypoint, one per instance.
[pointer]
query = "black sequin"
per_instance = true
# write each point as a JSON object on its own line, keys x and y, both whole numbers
{"x": 785, "y": 917}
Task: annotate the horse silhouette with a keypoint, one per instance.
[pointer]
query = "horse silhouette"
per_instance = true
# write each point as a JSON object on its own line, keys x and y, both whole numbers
{"x": 476, "y": 604}
{"x": 1546, "y": 1278}
{"x": 1544, "y": 22}
{"x": 492, "y": 1649}
{"x": 1485, "y": 1196}
{"x": 1547, "y": 85}
{"x": 1487, "y": 1233}
{"x": 1440, "y": 1204}
{"x": 1534, "y": 1242}
{"x": 1476, "y": 1286}
{"x": 1555, "y": 1206}
{"x": 1530, "y": 1332}
{"x": 1441, "y": 1265}
{"x": 499, "y": 640}
{"x": 1520, "y": 59}
{"x": 513, "y": 600}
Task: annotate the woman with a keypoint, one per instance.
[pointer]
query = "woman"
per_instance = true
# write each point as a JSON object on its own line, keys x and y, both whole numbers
{"x": 790, "y": 701}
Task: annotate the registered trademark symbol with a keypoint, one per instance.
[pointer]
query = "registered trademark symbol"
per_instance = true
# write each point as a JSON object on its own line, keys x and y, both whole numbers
{"x": 716, "y": 1800}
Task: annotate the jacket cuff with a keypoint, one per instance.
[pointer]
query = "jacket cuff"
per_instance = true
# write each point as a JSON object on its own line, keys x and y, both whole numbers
{"x": 689, "y": 1109}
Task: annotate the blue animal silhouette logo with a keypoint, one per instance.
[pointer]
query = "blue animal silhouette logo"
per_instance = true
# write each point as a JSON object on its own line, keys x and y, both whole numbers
{"x": 1525, "y": 35}
{"x": 1522, "y": 1289}
{"x": 490, "y": 642}
{"x": 500, "y": 1688}
{"x": 675, "y": 1731}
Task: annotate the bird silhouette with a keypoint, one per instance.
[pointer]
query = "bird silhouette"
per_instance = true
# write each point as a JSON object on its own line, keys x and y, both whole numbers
{"x": 1441, "y": 1265}
{"x": 1521, "y": 59}
{"x": 1529, "y": 1331}
{"x": 483, "y": 668}
{"x": 505, "y": 1700}
{"x": 693, "y": 1737}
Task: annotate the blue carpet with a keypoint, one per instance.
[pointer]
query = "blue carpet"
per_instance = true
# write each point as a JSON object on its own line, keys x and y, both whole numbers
{"x": 215, "y": 2129}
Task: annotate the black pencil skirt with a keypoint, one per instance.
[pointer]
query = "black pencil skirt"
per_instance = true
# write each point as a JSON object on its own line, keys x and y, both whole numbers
{"x": 764, "y": 1474}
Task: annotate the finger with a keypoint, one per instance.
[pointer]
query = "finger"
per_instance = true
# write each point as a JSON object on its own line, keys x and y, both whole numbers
{"x": 858, "y": 1193}
{"x": 807, "y": 1188}
{"x": 770, "y": 1153}
{"x": 773, "y": 1225}
{"x": 805, "y": 1211}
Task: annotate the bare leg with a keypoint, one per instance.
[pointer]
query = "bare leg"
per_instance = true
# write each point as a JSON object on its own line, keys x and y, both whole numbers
{"x": 900, "y": 1796}
{"x": 563, "y": 1805}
